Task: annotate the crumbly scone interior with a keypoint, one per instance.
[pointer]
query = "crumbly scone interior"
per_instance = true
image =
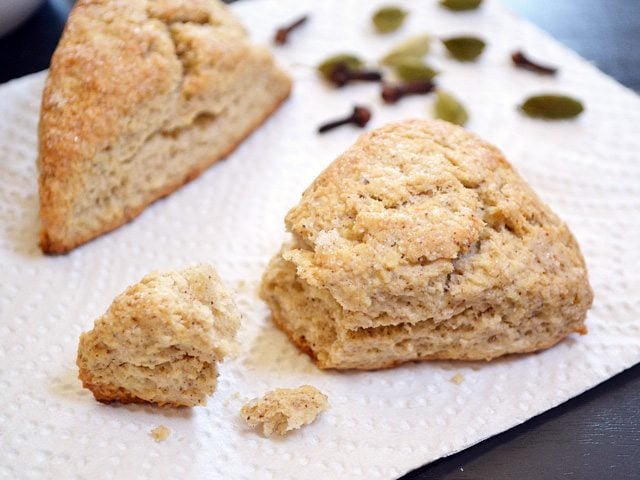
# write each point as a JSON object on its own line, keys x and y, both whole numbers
{"x": 161, "y": 340}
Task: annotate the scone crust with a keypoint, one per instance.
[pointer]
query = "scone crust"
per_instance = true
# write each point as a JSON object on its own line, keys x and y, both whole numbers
{"x": 125, "y": 70}
{"x": 422, "y": 242}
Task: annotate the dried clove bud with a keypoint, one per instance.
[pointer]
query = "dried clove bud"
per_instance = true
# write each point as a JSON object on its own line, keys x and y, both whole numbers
{"x": 341, "y": 75}
{"x": 360, "y": 117}
{"x": 448, "y": 108}
{"x": 460, "y": 5}
{"x": 282, "y": 34}
{"x": 552, "y": 107}
{"x": 465, "y": 48}
{"x": 521, "y": 60}
{"x": 393, "y": 93}
{"x": 388, "y": 19}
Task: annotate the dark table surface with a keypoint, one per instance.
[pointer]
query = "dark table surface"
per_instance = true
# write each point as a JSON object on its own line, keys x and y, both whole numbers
{"x": 593, "y": 436}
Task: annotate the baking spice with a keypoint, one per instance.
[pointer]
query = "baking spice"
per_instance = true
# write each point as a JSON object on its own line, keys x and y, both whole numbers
{"x": 393, "y": 93}
{"x": 346, "y": 60}
{"x": 411, "y": 69}
{"x": 282, "y": 34}
{"x": 552, "y": 107}
{"x": 360, "y": 117}
{"x": 460, "y": 5}
{"x": 448, "y": 108}
{"x": 413, "y": 47}
{"x": 464, "y": 48}
{"x": 341, "y": 75}
{"x": 521, "y": 60}
{"x": 388, "y": 19}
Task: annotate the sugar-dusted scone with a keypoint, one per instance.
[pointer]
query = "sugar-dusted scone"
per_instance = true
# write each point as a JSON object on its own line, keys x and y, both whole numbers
{"x": 422, "y": 242}
{"x": 160, "y": 340}
{"x": 285, "y": 409}
{"x": 141, "y": 97}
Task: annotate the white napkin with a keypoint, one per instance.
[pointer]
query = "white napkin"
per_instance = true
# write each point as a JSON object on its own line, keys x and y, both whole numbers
{"x": 381, "y": 424}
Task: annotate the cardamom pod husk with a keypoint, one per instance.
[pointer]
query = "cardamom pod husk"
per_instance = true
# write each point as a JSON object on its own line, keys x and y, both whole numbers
{"x": 448, "y": 108}
{"x": 349, "y": 61}
{"x": 388, "y": 19}
{"x": 552, "y": 106}
{"x": 416, "y": 47}
{"x": 464, "y": 48}
{"x": 460, "y": 5}
{"x": 412, "y": 69}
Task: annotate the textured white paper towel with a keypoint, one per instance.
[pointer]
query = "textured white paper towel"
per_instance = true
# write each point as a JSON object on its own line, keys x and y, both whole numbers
{"x": 381, "y": 424}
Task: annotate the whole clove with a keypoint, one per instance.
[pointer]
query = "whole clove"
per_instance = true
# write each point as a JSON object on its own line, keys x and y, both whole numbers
{"x": 360, "y": 117}
{"x": 522, "y": 61}
{"x": 282, "y": 34}
{"x": 393, "y": 93}
{"x": 342, "y": 75}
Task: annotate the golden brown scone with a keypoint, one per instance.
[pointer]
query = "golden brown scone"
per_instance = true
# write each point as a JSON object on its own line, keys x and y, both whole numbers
{"x": 161, "y": 340}
{"x": 422, "y": 242}
{"x": 141, "y": 97}
{"x": 285, "y": 409}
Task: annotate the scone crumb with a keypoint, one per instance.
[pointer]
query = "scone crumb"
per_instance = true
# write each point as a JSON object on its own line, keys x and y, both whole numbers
{"x": 160, "y": 433}
{"x": 285, "y": 409}
{"x": 232, "y": 398}
{"x": 458, "y": 378}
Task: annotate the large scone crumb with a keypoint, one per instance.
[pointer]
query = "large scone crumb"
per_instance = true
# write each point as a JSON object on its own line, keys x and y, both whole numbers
{"x": 285, "y": 409}
{"x": 141, "y": 97}
{"x": 422, "y": 242}
{"x": 160, "y": 433}
{"x": 161, "y": 340}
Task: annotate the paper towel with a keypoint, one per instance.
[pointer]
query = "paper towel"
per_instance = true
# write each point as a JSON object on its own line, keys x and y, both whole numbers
{"x": 380, "y": 424}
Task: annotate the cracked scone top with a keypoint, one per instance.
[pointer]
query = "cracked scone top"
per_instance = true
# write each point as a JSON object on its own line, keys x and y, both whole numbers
{"x": 160, "y": 341}
{"x": 422, "y": 242}
{"x": 141, "y": 97}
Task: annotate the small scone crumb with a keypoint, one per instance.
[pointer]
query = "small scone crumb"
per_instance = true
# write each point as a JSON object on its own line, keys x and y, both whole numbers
{"x": 458, "y": 378}
{"x": 160, "y": 433}
{"x": 285, "y": 409}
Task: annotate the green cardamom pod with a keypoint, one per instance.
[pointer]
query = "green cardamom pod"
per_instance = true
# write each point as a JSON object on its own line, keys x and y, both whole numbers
{"x": 416, "y": 47}
{"x": 465, "y": 48}
{"x": 449, "y": 109}
{"x": 552, "y": 107}
{"x": 351, "y": 62}
{"x": 388, "y": 19}
{"x": 412, "y": 69}
{"x": 459, "y": 5}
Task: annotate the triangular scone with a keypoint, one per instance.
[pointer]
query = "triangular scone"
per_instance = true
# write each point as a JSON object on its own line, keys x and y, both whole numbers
{"x": 422, "y": 242}
{"x": 161, "y": 340}
{"x": 142, "y": 96}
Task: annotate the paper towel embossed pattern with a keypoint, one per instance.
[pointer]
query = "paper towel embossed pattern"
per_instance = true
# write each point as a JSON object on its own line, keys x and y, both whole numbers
{"x": 378, "y": 425}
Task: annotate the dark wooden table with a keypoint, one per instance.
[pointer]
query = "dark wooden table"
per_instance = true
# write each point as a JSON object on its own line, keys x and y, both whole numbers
{"x": 594, "y": 436}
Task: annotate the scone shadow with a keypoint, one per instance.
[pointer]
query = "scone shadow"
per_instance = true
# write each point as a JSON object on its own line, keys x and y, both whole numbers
{"x": 23, "y": 229}
{"x": 272, "y": 350}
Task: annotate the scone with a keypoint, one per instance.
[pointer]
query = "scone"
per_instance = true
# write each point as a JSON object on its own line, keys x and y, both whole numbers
{"x": 161, "y": 340}
{"x": 141, "y": 97}
{"x": 285, "y": 409}
{"x": 422, "y": 242}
